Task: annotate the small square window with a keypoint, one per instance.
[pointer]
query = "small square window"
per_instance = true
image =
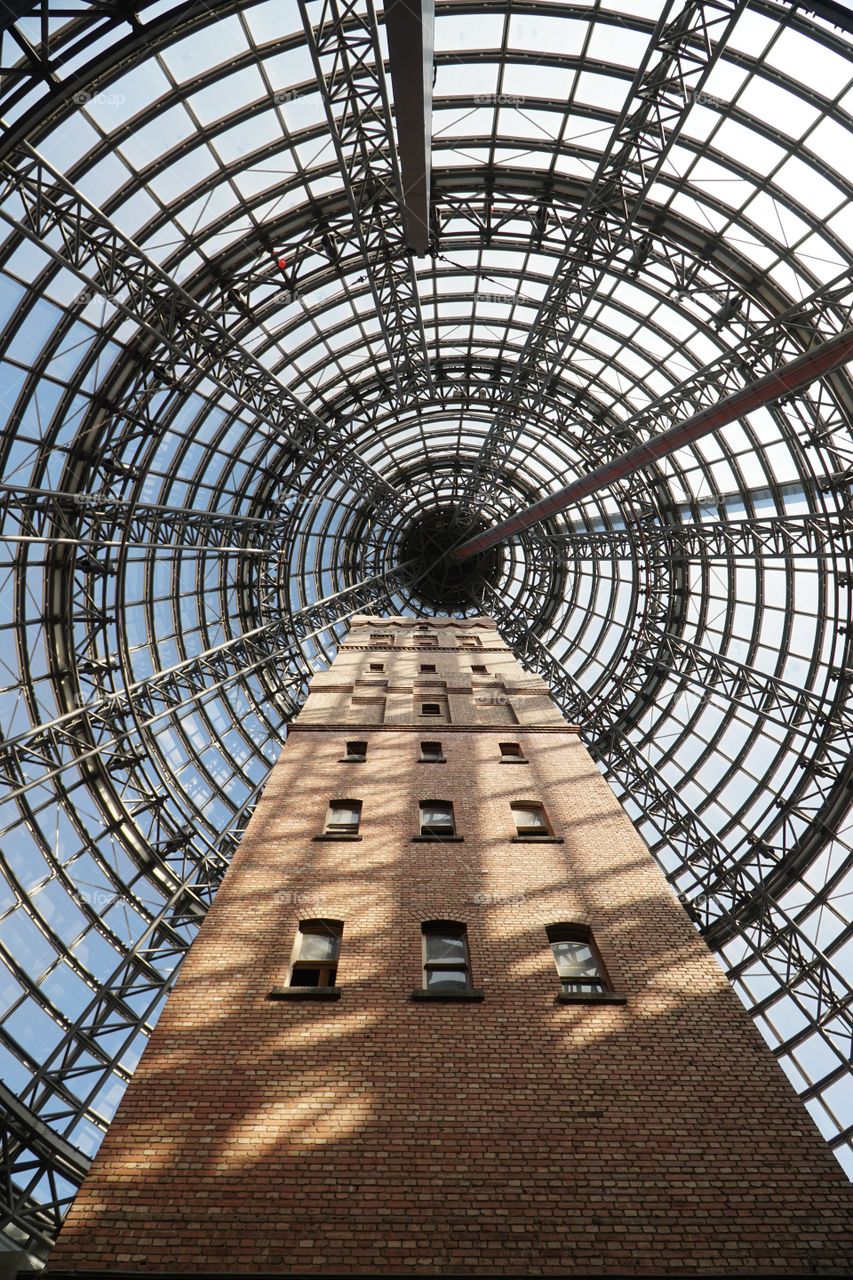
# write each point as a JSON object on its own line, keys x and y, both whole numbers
{"x": 479, "y": 670}
{"x": 431, "y": 751}
{"x": 430, "y": 709}
{"x": 377, "y": 666}
{"x": 356, "y": 753}
{"x": 511, "y": 753}
{"x": 427, "y": 668}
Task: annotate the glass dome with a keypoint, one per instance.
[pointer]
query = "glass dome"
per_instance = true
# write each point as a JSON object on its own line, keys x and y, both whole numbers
{"x": 238, "y": 410}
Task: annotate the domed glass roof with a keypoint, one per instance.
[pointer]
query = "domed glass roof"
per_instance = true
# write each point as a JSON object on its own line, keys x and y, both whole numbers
{"x": 237, "y": 409}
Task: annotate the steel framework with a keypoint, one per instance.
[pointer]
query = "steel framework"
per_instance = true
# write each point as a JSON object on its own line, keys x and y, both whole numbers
{"x": 230, "y": 392}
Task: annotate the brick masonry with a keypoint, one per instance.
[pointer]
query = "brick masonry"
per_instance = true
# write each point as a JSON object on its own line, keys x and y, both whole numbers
{"x": 517, "y": 1135}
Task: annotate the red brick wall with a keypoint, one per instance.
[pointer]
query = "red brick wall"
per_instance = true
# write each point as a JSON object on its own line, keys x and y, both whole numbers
{"x": 515, "y": 1135}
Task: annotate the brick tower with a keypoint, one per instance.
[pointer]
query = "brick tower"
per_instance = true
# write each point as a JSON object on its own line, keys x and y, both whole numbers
{"x": 446, "y": 1017}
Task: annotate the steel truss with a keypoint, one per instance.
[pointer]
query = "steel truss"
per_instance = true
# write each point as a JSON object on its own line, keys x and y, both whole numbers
{"x": 715, "y": 888}
{"x": 678, "y": 61}
{"x": 341, "y": 472}
{"x": 64, "y": 1086}
{"x": 186, "y": 336}
{"x": 825, "y": 535}
{"x": 347, "y": 58}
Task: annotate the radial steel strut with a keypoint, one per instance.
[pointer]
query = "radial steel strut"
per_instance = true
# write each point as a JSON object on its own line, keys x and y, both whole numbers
{"x": 781, "y": 382}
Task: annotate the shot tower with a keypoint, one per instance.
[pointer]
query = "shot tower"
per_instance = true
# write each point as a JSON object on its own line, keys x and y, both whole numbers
{"x": 446, "y": 1017}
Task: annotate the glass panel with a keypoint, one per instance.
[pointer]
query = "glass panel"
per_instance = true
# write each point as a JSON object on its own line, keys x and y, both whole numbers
{"x": 575, "y": 959}
{"x": 445, "y": 946}
{"x": 318, "y": 946}
{"x": 437, "y": 815}
{"x": 528, "y": 818}
{"x": 453, "y": 979}
{"x": 343, "y": 817}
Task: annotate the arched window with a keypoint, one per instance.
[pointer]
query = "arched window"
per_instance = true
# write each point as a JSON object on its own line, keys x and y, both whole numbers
{"x": 530, "y": 818}
{"x": 343, "y": 818}
{"x": 437, "y": 818}
{"x": 315, "y": 953}
{"x": 447, "y": 965}
{"x": 579, "y": 964}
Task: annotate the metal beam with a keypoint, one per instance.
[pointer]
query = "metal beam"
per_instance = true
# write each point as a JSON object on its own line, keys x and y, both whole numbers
{"x": 90, "y": 731}
{"x": 681, "y": 54}
{"x": 183, "y": 336}
{"x": 786, "y": 381}
{"x": 410, "y": 27}
{"x": 347, "y": 57}
{"x": 812, "y": 536}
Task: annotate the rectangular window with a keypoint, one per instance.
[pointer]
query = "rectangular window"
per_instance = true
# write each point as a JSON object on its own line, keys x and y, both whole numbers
{"x": 425, "y": 641}
{"x": 437, "y": 818}
{"x": 377, "y": 638}
{"x": 356, "y": 753}
{"x": 479, "y": 670}
{"x": 511, "y": 751}
{"x": 427, "y": 668}
{"x": 576, "y": 956}
{"x": 315, "y": 956}
{"x": 377, "y": 666}
{"x": 343, "y": 818}
{"x": 431, "y": 751}
{"x": 446, "y": 963}
{"x": 530, "y": 819}
{"x": 469, "y": 642}
{"x": 430, "y": 709}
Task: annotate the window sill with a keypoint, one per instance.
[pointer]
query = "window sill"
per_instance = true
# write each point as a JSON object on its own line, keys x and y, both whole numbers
{"x": 346, "y": 760}
{"x": 597, "y": 997}
{"x": 441, "y": 761}
{"x": 437, "y": 839}
{"x": 304, "y": 993}
{"x": 538, "y": 840}
{"x": 449, "y": 997}
{"x": 333, "y": 837}
{"x": 515, "y": 760}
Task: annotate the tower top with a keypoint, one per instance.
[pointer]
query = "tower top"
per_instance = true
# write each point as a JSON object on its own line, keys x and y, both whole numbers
{"x": 479, "y": 623}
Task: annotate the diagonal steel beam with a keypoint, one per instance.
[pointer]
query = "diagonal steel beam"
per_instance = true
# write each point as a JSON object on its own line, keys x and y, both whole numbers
{"x": 91, "y": 731}
{"x": 41, "y": 204}
{"x": 786, "y": 381}
{"x": 682, "y": 52}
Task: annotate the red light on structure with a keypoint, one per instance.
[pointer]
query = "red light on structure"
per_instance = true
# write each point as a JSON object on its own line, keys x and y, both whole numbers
{"x": 282, "y": 262}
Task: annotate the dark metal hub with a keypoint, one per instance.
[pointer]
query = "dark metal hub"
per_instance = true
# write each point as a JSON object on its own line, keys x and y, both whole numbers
{"x": 444, "y": 584}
